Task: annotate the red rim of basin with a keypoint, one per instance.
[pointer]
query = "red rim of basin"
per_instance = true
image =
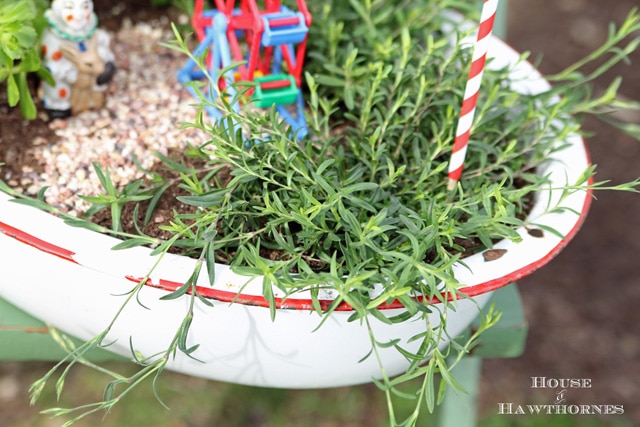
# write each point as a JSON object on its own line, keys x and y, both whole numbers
{"x": 307, "y": 303}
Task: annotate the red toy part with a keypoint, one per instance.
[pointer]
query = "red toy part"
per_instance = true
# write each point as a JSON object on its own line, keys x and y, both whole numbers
{"x": 248, "y": 20}
{"x": 198, "y": 21}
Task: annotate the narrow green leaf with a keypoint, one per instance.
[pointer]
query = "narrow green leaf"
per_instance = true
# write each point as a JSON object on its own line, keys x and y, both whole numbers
{"x": 206, "y": 200}
{"x": 27, "y": 106}
{"x": 13, "y": 93}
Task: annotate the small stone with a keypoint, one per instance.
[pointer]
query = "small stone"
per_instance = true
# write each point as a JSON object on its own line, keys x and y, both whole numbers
{"x": 58, "y": 124}
{"x": 83, "y": 173}
{"x": 127, "y": 24}
{"x": 38, "y": 140}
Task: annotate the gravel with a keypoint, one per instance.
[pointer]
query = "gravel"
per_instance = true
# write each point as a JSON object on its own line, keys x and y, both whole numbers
{"x": 145, "y": 104}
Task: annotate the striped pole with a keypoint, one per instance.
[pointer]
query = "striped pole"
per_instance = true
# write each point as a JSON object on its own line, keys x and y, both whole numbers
{"x": 471, "y": 92}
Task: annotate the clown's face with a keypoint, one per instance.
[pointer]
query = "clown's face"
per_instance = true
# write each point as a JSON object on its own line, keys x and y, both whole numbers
{"x": 75, "y": 14}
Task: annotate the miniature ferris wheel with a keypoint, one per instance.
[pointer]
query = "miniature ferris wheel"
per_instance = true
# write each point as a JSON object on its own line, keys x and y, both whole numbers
{"x": 268, "y": 44}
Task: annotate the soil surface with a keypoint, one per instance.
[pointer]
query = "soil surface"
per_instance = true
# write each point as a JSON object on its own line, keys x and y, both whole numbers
{"x": 581, "y": 308}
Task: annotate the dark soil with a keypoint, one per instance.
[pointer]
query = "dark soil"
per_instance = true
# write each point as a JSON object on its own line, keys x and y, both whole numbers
{"x": 582, "y": 309}
{"x": 134, "y": 215}
{"x": 15, "y": 136}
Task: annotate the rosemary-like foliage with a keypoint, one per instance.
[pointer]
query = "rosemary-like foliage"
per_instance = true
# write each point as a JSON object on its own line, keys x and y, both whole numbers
{"x": 363, "y": 200}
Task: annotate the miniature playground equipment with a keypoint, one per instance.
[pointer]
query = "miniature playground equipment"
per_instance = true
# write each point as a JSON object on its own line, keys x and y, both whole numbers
{"x": 276, "y": 39}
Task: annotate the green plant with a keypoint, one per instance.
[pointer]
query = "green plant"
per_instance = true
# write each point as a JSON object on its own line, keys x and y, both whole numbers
{"x": 20, "y": 23}
{"x": 364, "y": 201}
{"x": 183, "y": 5}
{"x": 114, "y": 198}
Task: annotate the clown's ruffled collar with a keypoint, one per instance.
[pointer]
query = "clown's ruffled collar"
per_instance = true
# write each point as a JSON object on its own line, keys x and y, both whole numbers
{"x": 57, "y": 26}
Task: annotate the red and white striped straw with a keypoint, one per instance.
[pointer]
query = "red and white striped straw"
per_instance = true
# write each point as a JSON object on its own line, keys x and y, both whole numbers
{"x": 471, "y": 92}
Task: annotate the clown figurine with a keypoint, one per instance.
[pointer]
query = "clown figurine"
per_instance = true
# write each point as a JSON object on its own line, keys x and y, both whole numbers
{"x": 78, "y": 56}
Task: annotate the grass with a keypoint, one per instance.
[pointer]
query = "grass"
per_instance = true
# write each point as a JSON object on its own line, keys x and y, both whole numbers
{"x": 197, "y": 402}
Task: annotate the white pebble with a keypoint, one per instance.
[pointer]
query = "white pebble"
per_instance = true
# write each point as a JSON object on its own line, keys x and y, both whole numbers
{"x": 144, "y": 103}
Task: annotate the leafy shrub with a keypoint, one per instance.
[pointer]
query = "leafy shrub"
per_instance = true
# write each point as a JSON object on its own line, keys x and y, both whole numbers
{"x": 20, "y": 24}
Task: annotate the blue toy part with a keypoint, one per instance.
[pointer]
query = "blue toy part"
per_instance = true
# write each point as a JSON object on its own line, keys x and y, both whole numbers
{"x": 284, "y": 28}
{"x": 297, "y": 123}
{"x": 220, "y": 57}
